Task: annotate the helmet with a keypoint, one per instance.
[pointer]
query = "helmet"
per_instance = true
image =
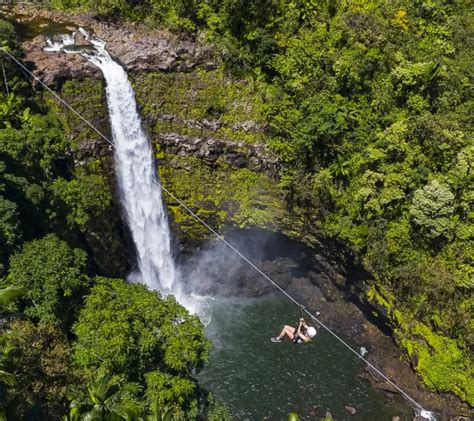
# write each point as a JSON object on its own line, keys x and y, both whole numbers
{"x": 311, "y": 332}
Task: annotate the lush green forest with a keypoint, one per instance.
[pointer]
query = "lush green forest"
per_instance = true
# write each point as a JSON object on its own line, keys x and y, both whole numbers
{"x": 75, "y": 345}
{"x": 369, "y": 107}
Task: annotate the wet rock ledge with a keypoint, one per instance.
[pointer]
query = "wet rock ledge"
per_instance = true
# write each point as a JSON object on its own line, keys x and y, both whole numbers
{"x": 135, "y": 48}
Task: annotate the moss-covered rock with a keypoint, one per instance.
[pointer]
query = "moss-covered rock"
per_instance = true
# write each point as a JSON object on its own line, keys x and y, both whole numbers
{"x": 202, "y": 103}
{"x": 87, "y": 97}
{"x": 209, "y": 132}
{"x": 221, "y": 196}
{"x": 88, "y": 197}
{"x": 443, "y": 364}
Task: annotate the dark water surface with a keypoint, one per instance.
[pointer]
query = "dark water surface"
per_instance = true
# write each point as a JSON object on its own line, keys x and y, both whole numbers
{"x": 27, "y": 30}
{"x": 258, "y": 379}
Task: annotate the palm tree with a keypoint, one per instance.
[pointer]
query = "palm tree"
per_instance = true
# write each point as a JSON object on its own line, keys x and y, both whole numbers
{"x": 157, "y": 413}
{"x": 103, "y": 407}
{"x": 6, "y": 349}
{"x": 340, "y": 170}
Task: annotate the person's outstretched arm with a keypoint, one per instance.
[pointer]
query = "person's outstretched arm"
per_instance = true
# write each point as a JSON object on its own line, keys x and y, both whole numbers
{"x": 298, "y": 330}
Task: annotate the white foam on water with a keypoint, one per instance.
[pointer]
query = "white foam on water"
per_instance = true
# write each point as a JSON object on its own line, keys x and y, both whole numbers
{"x": 428, "y": 415}
{"x": 58, "y": 46}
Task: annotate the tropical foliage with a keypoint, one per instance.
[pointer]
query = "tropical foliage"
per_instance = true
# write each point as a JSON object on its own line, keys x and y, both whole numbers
{"x": 369, "y": 106}
{"x": 151, "y": 345}
{"x": 52, "y": 276}
{"x": 370, "y": 109}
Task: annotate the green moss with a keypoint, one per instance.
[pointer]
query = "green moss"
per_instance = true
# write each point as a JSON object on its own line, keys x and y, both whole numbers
{"x": 198, "y": 95}
{"x": 397, "y": 317}
{"x": 381, "y": 296}
{"x": 442, "y": 364}
{"x": 87, "y": 97}
{"x": 220, "y": 196}
{"x": 175, "y": 102}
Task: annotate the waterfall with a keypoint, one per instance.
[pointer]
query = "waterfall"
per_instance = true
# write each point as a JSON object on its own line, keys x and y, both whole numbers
{"x": 135, "y": 167}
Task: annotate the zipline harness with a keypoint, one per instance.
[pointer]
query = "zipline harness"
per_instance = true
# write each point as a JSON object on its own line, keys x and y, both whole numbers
{"x": 303, "y": 310}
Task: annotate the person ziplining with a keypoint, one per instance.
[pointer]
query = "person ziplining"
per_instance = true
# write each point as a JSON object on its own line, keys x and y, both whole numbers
{"x": 302, "y": 334}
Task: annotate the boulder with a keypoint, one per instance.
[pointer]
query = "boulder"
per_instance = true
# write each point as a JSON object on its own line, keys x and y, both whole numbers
{"x": 53, "y": 68}
{"x": 351, "y": 410}
{"x": 325, "y": 284}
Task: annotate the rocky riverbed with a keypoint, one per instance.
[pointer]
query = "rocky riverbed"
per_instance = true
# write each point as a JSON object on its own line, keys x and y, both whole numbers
{"x": 136, "y": 48}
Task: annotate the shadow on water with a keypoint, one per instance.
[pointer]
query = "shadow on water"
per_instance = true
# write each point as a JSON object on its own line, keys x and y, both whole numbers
{"x": 258, "y": 379}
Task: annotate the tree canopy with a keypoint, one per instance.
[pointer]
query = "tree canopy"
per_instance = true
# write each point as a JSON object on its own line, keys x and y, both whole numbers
{"x": 131, "y": 332}
{"x": 369, "y": 107}
{"x": 52, "y": 275}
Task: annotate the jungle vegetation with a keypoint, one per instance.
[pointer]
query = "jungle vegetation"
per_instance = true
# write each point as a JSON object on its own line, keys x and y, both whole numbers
{"x": 75, "y": 345}
{"x": 369, "y": 107}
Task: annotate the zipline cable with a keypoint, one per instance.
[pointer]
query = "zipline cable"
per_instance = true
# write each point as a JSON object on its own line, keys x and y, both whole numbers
{"x": 220, "y": 237}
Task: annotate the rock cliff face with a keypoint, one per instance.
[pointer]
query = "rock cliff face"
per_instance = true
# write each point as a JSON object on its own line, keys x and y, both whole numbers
{"x": 151, "y": 52}
{"x": 211, "y": 139}
{"x": 208, "y": 128}
{"x": 237, "y": 154}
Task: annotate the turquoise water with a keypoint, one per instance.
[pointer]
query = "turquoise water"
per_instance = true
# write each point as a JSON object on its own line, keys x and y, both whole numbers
{"x": 261, "y": 380}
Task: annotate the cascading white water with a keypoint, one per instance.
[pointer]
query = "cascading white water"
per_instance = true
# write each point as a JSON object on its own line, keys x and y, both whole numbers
{"x": 135, "y": 167}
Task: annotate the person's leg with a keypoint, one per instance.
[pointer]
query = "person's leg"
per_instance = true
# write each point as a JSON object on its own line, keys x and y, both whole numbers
{"x": 287, "y": 331}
